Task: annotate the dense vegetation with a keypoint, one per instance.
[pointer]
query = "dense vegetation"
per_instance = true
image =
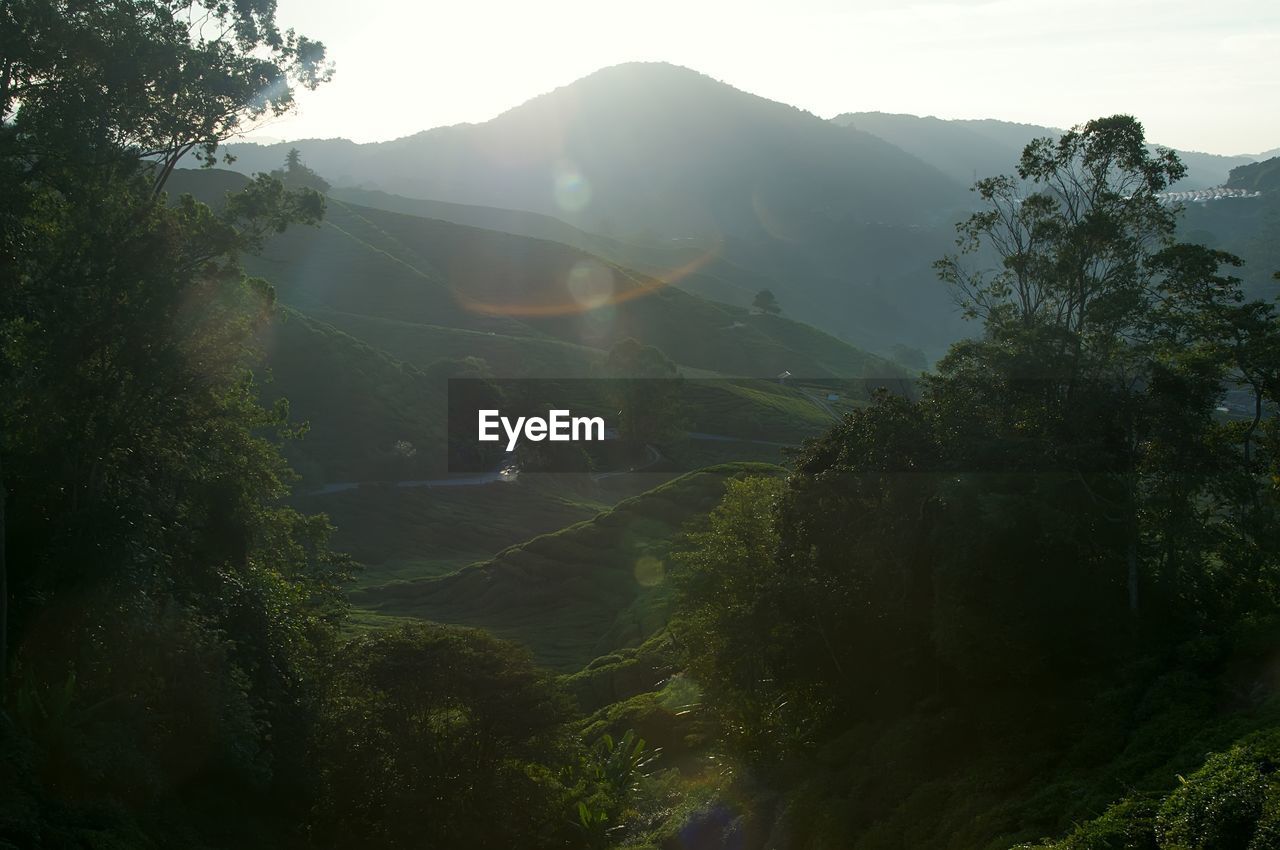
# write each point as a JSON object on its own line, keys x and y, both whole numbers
{"x": 177, "y": 674}
{"x": 1050, "y": 570}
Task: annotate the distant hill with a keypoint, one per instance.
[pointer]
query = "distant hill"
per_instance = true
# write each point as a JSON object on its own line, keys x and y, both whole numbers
{"x": 960, "y": 149}
{"x": 842, "y": 224}
{"x": 1257, "y": 177}
{"x": 1248, "y": 227}
{"x": 963, "y": 149}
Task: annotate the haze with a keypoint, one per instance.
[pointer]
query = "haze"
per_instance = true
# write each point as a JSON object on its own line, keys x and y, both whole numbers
{"x": 1200, "y": 76}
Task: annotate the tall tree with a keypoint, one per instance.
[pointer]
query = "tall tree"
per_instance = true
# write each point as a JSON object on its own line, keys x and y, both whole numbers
{"x": 1057, "y": 475}
{"x": 145, "y": 514}
{"x": 97, "y": 100}
{"x": 1089, "y": 279}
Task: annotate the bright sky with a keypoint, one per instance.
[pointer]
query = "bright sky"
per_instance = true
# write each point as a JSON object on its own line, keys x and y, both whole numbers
{"x": 1200, "y": 75}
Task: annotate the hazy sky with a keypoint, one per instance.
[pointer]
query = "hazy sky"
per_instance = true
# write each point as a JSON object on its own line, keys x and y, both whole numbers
{"x": 1200, "y": 75}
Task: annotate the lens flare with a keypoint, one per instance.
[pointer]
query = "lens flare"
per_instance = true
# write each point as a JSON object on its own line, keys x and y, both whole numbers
{"x": 571, "y": 189}
{"x": 480, "y": 286}
{"x": 590, "y": 284}
{"x": 649, "y": 571}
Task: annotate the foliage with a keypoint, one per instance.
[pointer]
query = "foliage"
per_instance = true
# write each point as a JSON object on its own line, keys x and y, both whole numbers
{"x": 441, "y": 738}
{"x": 612, "y": 771}
{"x": 1231, "y": 801}
{"x": 733, "y": 597}
{"x": 168, "y": 611}
{"x": 297, "y": 175}
{"x": 1053, "y": 509}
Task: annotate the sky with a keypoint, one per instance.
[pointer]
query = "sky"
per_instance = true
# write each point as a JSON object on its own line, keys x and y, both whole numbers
{"x": 1199, "y": 75}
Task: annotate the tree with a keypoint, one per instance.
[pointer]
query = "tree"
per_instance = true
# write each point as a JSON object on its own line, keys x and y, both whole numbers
{"x": 439, "y": 737}
{"x": 1060, "y": 497}
{"x": 1090, "y": 280}
{"x": 145, "y": 514}
{"x": 732, "y": 612}
{"x": 766, "y": 302}
{"x": 97, "y": 99}
{"x": 297, "y": 175}
{"x": 147, "y": 81}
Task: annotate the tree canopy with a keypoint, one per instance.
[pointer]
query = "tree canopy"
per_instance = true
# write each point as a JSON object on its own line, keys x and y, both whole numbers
{"x": 1063, "y": 500}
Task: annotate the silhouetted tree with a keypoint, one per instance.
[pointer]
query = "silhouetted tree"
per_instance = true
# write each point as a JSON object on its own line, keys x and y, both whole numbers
{"x": 766, "y": 302}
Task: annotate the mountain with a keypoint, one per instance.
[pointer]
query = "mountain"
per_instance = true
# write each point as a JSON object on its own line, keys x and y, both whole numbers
{"x": 963, "y": 150}
{"x": 840, "y": 224}
{"x": 645, "y": 147}
{"x": 1248, "y": 227}
{"x": 970, "y": 149}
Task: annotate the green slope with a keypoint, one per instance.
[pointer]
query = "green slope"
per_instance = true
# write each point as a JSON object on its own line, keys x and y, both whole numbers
{"x": 369, "y": 415}
{"x": 575, "y": 594}
{"x": 433, "y": 274}
{"x": 399, "y": 533}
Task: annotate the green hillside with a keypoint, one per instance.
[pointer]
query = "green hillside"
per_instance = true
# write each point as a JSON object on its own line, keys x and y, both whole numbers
{"x": 397, "y": 533}
{"x": 575, "y": 594}
{"x": 438, "y": 275}
{"x": 1246, "y": 227}
{"x": 686, "y": 263}
{"x": 370, "y": 416}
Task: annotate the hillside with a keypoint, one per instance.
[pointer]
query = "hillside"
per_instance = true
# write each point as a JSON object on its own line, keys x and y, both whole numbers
{"x": 457, "y": 291}
{"x": 1247, "y": 227}
{"x": 575, "y": 594}
{"x": 370, "y": 417}
{"x": 678, "y": 261}
{"x": 1261, "y": 176}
